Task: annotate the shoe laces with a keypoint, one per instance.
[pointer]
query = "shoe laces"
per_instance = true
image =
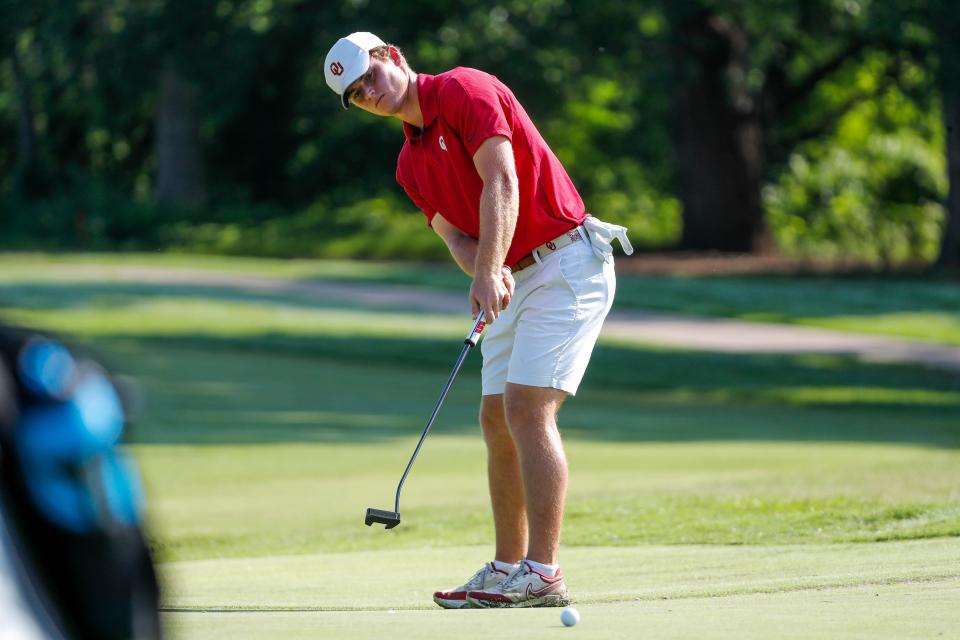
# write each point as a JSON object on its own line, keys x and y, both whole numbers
{"x": 478, "y": 580}
{"x": 515, "y": 576}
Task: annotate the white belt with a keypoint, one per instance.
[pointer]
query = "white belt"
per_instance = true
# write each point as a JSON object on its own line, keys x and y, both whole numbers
{"x": 561, "y": 241}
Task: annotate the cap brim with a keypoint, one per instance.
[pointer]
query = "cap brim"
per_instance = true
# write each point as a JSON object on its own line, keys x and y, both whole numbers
{"x": 345, "y": 96}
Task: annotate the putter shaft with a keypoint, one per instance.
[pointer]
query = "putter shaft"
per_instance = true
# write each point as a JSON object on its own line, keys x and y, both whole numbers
{"x": 468, "y": 343}
{"x": 392, "y": 519}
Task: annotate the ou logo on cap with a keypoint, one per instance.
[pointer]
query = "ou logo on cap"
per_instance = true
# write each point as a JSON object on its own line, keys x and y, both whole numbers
{"x": 336, "y": 69}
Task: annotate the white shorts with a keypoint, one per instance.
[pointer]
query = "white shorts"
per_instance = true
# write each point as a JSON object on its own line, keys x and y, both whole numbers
{"x": 545, "y": 337}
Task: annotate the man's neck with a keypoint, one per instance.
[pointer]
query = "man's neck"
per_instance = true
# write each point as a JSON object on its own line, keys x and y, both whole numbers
{"x": 410, "y": 112}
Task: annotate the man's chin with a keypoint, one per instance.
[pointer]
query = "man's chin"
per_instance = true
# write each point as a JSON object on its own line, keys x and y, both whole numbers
{"x": 387, "y": 108}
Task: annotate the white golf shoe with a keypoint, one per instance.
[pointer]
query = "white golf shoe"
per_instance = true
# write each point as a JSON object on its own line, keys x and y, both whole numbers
{"x": 487, "y": 577}
{"x": 525, "y": 587}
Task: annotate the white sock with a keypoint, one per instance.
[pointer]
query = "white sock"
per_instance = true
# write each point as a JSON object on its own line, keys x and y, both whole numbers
{"x": 549, "y": 570}
{"x": 503, "y": 566}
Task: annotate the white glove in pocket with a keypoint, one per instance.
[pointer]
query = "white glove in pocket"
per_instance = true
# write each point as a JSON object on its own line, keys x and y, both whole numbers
{"x": 602, "y": 235}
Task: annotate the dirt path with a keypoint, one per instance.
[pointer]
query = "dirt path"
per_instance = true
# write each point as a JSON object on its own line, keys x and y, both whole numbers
{"x": 689, "y": 332}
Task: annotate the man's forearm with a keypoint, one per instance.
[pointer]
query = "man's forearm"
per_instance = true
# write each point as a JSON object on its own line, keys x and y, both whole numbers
{"x": 499, "y": 206}
{"x": 463, "y": 248}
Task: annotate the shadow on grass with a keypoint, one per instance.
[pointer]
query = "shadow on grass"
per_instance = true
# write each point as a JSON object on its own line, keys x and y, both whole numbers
{"x": 116, "y": 296}
{"x": 762, "y": 297}
{"x": 276, "y": 388}
{"x": 772, "y": 297}
{"x": 787, "y": 298}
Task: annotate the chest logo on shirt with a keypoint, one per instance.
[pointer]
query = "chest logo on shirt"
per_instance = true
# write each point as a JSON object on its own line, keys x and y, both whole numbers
{"x": 443, "y": 145}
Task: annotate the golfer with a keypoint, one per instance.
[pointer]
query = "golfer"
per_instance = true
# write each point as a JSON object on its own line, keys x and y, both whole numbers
{"x": 543, "y": 277}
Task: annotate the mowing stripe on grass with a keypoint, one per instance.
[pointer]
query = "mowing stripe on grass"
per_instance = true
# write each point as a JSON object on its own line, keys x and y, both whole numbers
{"x": 900, "y": 611}
{"x": 383, "y": 580}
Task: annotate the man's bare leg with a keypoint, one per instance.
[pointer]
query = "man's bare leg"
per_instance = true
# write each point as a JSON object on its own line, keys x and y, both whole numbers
{"x": 531, "y": 416}
{"x": 506, "y": 485}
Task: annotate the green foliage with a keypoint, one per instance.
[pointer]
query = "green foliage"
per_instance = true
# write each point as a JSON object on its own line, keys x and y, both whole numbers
{"x": 93, "y": 215}
{"x": 873, "y": 190}
{"x": 618, "y": 188}
{"x": 290, "y": 174}
{"x": 382, "y": 227}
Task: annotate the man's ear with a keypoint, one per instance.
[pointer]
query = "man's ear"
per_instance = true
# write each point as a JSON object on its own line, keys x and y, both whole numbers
{"x": 396, "y": 56}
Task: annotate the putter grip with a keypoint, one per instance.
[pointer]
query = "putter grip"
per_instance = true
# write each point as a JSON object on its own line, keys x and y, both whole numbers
{"x": 474, "y": 336}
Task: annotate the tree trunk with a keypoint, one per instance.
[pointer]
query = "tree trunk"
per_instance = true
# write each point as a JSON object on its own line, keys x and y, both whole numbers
{"x": 180, "y": 176}
{"x": 946, "y": 18}
{"x": 950, "y": 242}
{"x": 26, "y": 171}
{"x": 719, "y": 137}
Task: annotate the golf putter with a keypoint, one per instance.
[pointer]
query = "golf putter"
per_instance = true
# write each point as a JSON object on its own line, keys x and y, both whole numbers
{"x": 392, "y": 518}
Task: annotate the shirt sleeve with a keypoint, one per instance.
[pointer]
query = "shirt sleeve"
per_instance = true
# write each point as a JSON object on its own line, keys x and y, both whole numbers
{"x": 475, "y": 111}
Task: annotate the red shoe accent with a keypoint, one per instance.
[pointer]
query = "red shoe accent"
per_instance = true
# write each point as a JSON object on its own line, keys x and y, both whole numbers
{"x": 492, "y": 597}
{"x": 546, "y": 578}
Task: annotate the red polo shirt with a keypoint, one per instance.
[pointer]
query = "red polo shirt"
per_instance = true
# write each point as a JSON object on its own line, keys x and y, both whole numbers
{"x": 462, "y": 108}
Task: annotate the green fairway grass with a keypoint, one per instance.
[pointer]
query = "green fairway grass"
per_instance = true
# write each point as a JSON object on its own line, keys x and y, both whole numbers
{"x": 595, "y": 574}
{"x": 711, "y": 495}
{"x": 897, "y": 590}
{"x": 906, "y": 306}
{"x": 921, "y": 610}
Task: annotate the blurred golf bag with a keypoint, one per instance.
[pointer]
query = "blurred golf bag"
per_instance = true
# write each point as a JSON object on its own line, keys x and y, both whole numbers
{"x": 74, "y": 563}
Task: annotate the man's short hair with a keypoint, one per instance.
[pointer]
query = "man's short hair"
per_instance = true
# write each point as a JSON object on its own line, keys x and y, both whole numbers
{"x": 382, "y": 53}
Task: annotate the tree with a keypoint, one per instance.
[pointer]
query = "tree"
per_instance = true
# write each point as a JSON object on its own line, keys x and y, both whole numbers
{"x": 746, "y": 79}
{"x": 180, "y": 169}
{"x": 26, "y": 169}
{"x": 719, "y": 135}
{"x": 945, "y": 16}
{"x": 17, "y": 36}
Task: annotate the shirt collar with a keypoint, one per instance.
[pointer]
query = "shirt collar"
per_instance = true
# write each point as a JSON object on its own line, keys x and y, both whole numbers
{"x": 427, "y": 96}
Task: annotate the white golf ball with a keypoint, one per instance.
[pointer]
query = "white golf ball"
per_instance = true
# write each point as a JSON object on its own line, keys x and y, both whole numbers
{"x": 569, "y": 616}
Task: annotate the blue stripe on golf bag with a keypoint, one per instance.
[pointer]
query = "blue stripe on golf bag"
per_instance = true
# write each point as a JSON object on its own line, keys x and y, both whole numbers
{"x": 46, "y": 368}
{"x": 75, "y": 477}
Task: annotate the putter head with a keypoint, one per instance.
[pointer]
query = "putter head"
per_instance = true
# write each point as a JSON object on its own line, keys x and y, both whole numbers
{"x": 388, "y": 518}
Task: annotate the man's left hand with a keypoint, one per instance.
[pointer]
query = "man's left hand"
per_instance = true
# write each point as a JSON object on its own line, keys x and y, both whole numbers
{"x": 491, "y": 292}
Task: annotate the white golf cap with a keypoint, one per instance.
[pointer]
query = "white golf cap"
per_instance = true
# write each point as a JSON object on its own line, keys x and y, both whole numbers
{"x": 349, "y": 59}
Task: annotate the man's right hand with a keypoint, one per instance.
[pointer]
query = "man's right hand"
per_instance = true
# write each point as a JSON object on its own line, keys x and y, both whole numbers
{"x": 491, "y": 292}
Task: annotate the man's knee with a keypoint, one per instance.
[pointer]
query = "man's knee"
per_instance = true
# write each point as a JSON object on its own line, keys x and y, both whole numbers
{"x": 528, "y": 407}
{"x": 492, "y": 419}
